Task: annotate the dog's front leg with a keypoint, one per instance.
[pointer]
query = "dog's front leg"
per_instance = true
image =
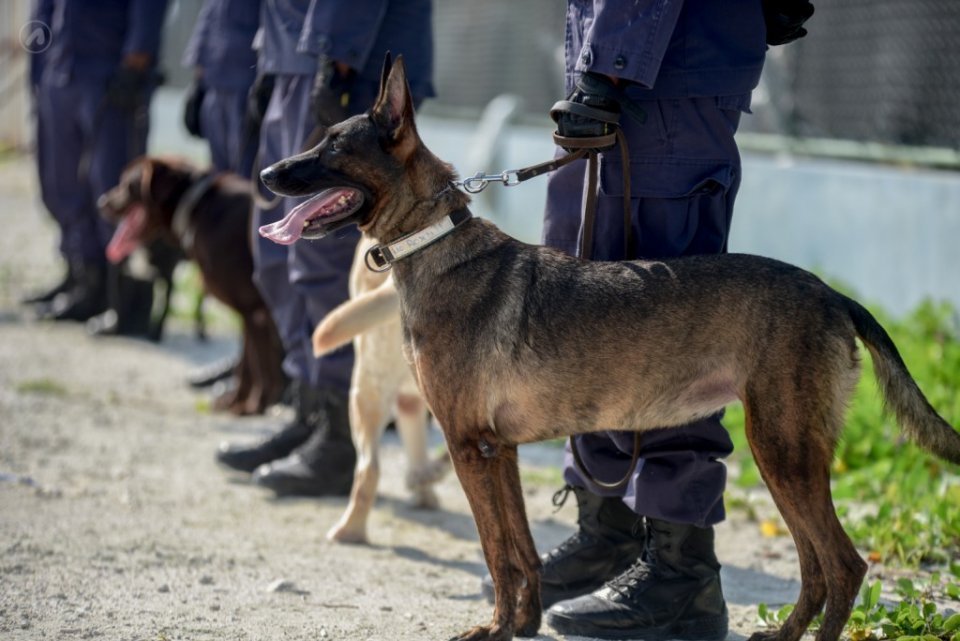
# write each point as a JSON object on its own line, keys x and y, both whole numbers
{"x": 480, "y": 469}
{"x": 529, "y": 610}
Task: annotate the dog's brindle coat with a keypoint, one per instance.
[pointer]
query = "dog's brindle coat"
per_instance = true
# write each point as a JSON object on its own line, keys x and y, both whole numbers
{"x": 514, "y": 343}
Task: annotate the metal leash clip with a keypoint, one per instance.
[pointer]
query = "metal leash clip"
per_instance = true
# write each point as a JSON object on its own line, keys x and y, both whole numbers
{"x": 479, "y": 181}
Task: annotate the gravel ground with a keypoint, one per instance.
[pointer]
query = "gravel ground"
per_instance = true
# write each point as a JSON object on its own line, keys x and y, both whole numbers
{"x": 115, "y": 522}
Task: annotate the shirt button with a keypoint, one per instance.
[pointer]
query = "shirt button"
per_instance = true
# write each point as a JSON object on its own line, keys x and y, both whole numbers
{"x": 585, "y": 56}
{"x": 620, "y": 62}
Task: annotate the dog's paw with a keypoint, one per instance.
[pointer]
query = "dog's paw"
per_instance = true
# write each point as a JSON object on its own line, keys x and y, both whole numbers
{"x": 485, "y": 633}
{"x": 428, "y": 474}
{"x": 341, "y": 533}
{"x": 424, "y": 498}
{"x": 528, "y": 622}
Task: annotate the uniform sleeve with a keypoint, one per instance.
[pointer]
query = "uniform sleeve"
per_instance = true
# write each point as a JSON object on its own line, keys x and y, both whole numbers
{"x": 343, "y": 30}
{"x": 201, "y": 34}
{"x": 628, "y": 38}
{"x": 145, "y": 24}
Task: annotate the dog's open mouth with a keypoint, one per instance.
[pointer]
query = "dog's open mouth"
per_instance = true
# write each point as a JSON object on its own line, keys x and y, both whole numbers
{"x": 311, "y": 218}
{"x": 127, "y": 236}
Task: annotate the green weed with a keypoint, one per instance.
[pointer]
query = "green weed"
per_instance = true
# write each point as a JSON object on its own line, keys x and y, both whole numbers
{"x": 916, "y": 617}
{"x": 45, "y": 386}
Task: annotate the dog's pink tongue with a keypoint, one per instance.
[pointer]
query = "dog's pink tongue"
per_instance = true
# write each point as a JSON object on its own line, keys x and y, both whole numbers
{"x": 127, "y": 236}
{"x": 288, "y": 230}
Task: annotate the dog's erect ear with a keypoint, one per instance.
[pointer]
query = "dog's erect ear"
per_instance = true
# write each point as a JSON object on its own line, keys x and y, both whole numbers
{"x": 385, "y": 72}
{"x": 393, "y": 111}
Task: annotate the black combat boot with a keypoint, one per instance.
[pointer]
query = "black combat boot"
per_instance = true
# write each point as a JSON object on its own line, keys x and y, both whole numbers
{"x": 130, "y": 302}
{"x": 247, "y": 458}
{"x": 323, "y": 466}
{"x": 608, "y": 539}
{"x": 671, "y": 592}
{"x": 49, "y": 294}
{"x": 84, "y": 299}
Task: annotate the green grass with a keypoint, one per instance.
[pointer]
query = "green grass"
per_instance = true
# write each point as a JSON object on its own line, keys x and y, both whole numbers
{"x": 43, "y": 386}
{"x": 914, "y": 617}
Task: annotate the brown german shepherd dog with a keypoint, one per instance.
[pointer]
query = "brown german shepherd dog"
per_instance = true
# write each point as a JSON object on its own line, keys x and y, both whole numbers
{"x": 513, "y": 343}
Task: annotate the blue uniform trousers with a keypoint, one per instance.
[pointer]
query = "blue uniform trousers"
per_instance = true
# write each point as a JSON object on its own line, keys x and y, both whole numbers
{"x": 304, "y": 281}
{"x": 222, "y": 121}
{"x": 84, "y": 145}
{"x": 685, "y": 171}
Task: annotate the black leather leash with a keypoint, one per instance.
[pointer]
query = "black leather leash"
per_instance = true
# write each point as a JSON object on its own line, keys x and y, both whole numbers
{"x": 589, "y": 148}
{"x": 591, "y": 145}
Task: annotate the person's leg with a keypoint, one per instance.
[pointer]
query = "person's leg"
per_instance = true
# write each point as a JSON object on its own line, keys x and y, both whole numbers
{"x": 271, "y": 276}
{"x": 68, "y": 113}
{"x": 117, "y": 136}
{"x": 222, "y": 119}
{"x": 684, "y": 186}
{"x": 47, "y": 153}
{"x": 319, "y": 272}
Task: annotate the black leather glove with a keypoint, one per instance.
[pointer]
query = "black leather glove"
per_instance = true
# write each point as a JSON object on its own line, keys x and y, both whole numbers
{"x": 258, "y": 98}
{"x": 191, "y": 107}
{"x": 591, "y": 111}
{"x": 127, "y": 89}
{"x": 330, "y": 95}
{"x": 784, "y": 19}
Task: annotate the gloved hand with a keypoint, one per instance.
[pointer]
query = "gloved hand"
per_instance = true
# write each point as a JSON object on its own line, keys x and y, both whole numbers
{"x": 127, "y": 89}
{"x": 258, "y": 98}
{"x": 591, "y": 111}
{"x": 330, "y": 96}
{"x": 191, "y": 107}
{"x": 785, "y": 18}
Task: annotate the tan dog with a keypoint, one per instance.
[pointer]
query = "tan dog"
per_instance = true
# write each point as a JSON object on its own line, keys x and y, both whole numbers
{"x": 382, "y": 386}
{"x": 514, "y": 343}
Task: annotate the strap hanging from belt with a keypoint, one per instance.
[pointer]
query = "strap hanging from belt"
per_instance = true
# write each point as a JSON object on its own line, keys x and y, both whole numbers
{"x": 586, "y": 147}
{"x": 589, "y": 146}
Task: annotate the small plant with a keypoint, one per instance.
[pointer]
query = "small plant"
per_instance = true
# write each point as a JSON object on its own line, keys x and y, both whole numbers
{"x": 45, "y": 386}
{"x": 915, "y": 618}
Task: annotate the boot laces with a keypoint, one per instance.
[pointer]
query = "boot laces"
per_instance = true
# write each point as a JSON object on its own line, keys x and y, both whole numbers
{"x": 641, "y": 572}
{"x": 575, "y": 540}
{"x": 560, "y": 497}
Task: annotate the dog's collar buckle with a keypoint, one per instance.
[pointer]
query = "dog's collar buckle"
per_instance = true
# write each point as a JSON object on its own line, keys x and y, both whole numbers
{"x": 379, "y": 262}
{"x": 381, "y": 258}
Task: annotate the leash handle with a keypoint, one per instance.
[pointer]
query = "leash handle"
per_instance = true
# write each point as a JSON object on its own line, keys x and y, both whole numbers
{"x": 582, "y": 468}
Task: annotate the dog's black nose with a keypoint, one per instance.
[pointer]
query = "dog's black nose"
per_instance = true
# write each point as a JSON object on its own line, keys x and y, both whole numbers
{"x": 269, "y": 177}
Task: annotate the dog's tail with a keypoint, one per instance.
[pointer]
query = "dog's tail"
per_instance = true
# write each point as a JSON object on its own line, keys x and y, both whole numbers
{"x": 919, "y": 421}
{"x": 355, "y": 317}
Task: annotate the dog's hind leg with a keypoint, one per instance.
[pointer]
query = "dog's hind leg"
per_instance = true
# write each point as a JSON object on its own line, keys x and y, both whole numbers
{"x": 484, "y": 472}
{"x": 792, "y": 443}
{"x": 411, "y": 415}
{"x": 367, "y": 422}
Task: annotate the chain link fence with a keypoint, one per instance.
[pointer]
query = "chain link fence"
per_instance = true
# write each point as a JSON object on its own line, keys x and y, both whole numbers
{"x": 884, "y": 71}
{"x": 876, "y": 71}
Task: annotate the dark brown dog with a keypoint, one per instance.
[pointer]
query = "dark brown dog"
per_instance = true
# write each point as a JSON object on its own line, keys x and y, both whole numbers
{"x": 208, "y": 216}
{"x": 514, "y": 343}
